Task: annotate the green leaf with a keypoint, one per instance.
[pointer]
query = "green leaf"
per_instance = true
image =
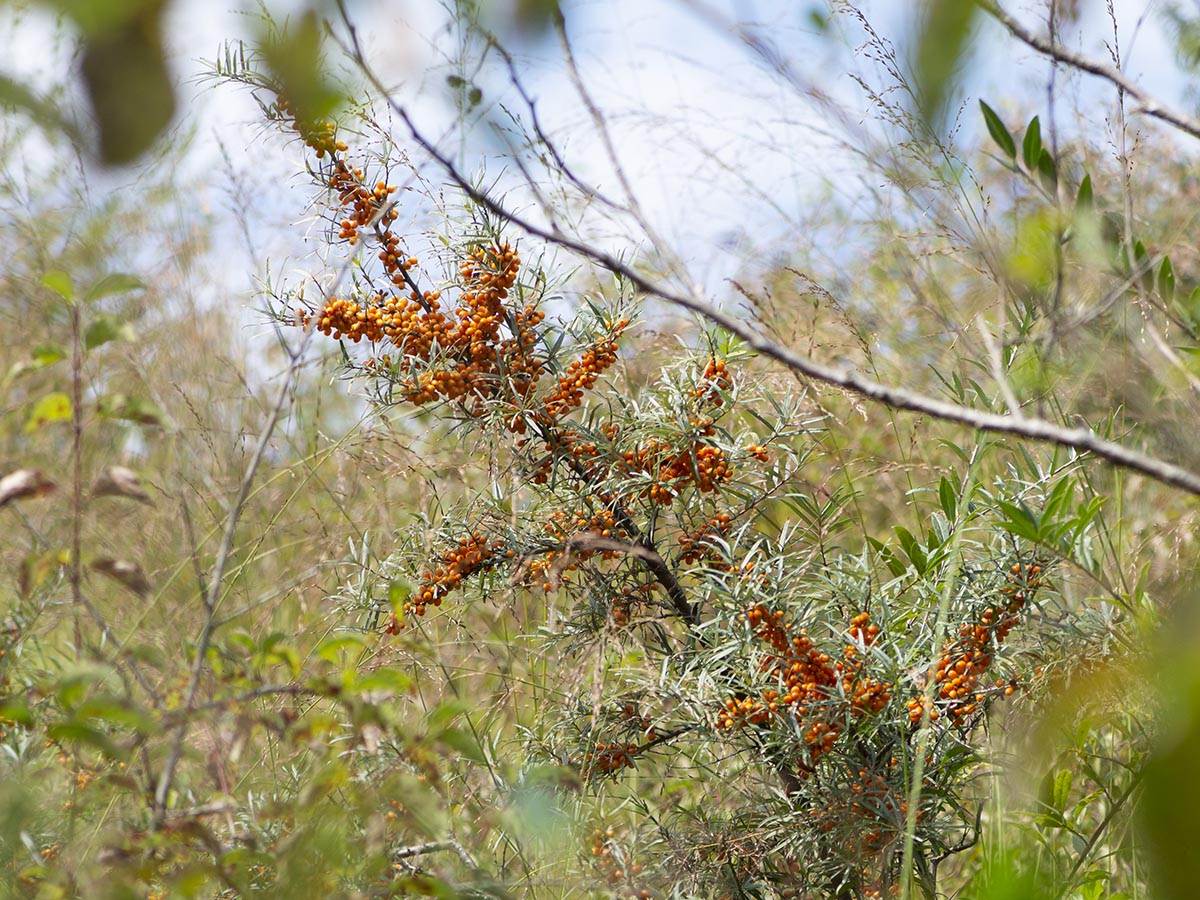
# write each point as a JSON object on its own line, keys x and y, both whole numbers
{"x": 124, "y": 69}
{"x": 1142, "y": 258}
{"x": 1031, "y": 147}
{"x": 398, "y": 594}
{"x": 1019, "y": 520}
{"x": 895, "y": 566}
{"x": 385, "y": 679}
{"x": 78, "y": 733}
{"x": 133, "y": 409}
{"x": 43, "y": 355}
{"x": 116, "y": 283}
{"x": 106, "y": 328}
{"x": 948, "y": 498}
{"x": 464, "y": 743}
{"x": 54, "y": 407}
{"x": 332, "y": 648}
{"x": 117, "y": 711}
{"x": 1166, "y": 280}
{"x": 999, "y": 133}
{"x": 15, "y": 711}
{"x": 945, "y": 30}
{"x": 60, "y": 282}
{"x": 48, "y": 354}
{"x": 295, "y": 57}
{"x": 1084, "y": 201}
{"x": 912, "y": 549}
{"x": 1047, "y": 170}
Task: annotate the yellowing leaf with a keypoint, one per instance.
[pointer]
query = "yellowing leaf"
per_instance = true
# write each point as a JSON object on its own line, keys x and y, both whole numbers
{"x": 54, "y": 407}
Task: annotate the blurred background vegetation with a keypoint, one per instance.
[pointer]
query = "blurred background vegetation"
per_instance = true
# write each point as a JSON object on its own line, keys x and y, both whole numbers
{"x": 206, "y": 522}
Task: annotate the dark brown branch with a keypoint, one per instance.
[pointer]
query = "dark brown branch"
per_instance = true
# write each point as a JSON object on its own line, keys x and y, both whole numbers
{"x": 588, "y": 542}
{"x": 1147, "y": 104}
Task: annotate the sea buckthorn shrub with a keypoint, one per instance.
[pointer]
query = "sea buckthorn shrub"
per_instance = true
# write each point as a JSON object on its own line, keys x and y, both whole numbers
{"x": 709, "y": 614}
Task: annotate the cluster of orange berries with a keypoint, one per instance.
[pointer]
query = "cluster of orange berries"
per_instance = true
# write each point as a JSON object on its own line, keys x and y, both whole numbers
{"x": 582, "y": 374}
{"x": 964, "y": 661}
{"x": 623, "y": 604}
{"x": 365, "y": 206}
{"x": 697, "y": 544}
{"x": 605, "y": 759}
{"x": 320, "y": 136}
{"x": 459, "y": 562}
{"x": 704, "y": 465}
{"x": 810, "y": 683}
{"x": 713, "y": 382}
{"x": 472, "y": 356}
{"x": 613, "y": 869}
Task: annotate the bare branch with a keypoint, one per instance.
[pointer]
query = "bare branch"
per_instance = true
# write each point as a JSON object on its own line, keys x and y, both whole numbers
{"x": 1147, "y": 104}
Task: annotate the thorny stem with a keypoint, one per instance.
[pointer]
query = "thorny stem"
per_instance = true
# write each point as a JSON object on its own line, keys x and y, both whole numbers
{"x": 76, "y": 473}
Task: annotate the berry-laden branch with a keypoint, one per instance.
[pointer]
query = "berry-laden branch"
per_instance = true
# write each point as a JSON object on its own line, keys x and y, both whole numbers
{"x": 486, "y": 350}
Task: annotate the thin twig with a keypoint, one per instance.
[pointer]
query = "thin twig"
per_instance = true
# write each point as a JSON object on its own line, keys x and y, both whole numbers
{"x": 211, "y": 598}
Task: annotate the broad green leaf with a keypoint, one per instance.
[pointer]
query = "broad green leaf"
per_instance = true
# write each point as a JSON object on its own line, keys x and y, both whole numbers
{"x": 60, "y": 282}
{"x": 464, "y": 743}
{"x": 332, "y": 648}
{"x": 116, "y": 283}
{"x": 72, "y": 732}
{"x": 106, "y": 328}
{"x": 1047, "y": 170}
{"x": 117, "y": 711}
{"x": 48, "y": 354}
{"x": 124, "y": 70}
{"x": 398, "y": 594}
{"x": 1166, "y": 280}
{"x": 948, "y": 498}
{"x": 912, "y": 549}
{"x": 1084, "y": 201}
{"x": 385, "y": 679}
{"x": 1031, "y": 147}
{"x": 16, "y": 712}
{"x": 1000, "y": 134}
{"x": 295, "y": 57}
{"x": 1019, "y": 520}
{"x": 54, "y": 407}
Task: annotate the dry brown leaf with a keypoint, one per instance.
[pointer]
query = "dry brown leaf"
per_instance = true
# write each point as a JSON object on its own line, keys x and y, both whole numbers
{"x": 129, "y": 574}
{"x": 118, "y": 481}
{"x": 22, "y": 484}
